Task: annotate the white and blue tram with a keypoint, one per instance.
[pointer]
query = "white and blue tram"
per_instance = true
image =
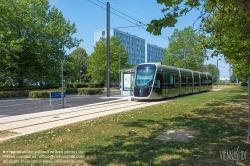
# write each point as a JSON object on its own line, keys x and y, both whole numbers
{"x": 156, "y": 81}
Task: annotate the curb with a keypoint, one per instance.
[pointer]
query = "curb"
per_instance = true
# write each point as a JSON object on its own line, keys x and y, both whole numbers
{"x": 58, "y": 110}
{"x": 89, "y": 105}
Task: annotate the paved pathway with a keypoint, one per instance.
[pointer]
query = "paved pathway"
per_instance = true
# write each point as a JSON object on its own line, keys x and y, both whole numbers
{"x": 30, "y": 123}
{"x": 22, "y": 106}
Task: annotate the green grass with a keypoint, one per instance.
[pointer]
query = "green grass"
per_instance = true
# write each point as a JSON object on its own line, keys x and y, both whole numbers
{"x": 128, "y": 138}
{"x": 5, "y": 133}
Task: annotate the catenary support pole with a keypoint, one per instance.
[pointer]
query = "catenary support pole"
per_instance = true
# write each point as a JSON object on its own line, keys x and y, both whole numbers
{"x": 108, "y": 53}
{"x": 119, "y": 70}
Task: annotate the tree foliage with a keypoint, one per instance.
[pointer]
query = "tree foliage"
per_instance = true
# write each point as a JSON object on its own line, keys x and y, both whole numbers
{"x": 241, "y": 69}
{"x": 212, "y": 69}
{"x": 175, "y": 9}
{"x": 226, "y": 21}
{"x": 96, "y": 63}
{"x": 33, "y": 37}
{"x": 183, "y": 42}
{"x": 229, "y": 36}
{"x": 76, "y": 65}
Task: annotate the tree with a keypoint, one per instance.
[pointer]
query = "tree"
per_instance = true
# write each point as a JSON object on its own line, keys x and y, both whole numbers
{"x": 234, "y": 78}
{"x": 69, "y": 66}
{"x": 33, "y": 37}
{"x": 230, "y": 38}
{"x": 127, "y": 66}
{"x": 226, "y": 21}
{"x": 212, "y": 69}
{"x": 184, "y": 44}
{"x": 175, "y": 9}
{"x": 96, "y": 62}
{"x": 79, "y": 58}
{"x": 240, "y": 70}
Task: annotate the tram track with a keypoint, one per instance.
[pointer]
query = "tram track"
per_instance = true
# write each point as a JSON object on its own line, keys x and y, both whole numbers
{"x": 54, "y": 112}
{"x": 64, "y": 115}
{"x": 46, "y": 120}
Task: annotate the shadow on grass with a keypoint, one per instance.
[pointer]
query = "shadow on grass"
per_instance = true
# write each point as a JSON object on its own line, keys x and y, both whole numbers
{"x": 134, "y": 149}
{"x": 222, "y": 126}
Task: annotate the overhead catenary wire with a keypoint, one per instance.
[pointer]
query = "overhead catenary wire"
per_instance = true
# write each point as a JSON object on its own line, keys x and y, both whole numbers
{"x": 122, "y": 13}
{"x": 123, "y": 9}
{"x": 112, "y": 12}
{"x": 136, "y": 20}
{"x": 138, "y": 24}
{"x": 142, "y": 24}
{"x": 130, "y": 12}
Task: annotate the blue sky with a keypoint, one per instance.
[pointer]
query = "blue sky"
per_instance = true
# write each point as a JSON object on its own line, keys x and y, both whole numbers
{"x": 89, "y": 17}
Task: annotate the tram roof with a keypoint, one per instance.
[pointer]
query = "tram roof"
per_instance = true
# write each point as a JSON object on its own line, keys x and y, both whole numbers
{"x": 161, "y": 66}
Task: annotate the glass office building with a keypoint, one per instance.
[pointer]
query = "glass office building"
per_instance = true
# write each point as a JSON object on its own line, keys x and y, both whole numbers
{"x": 154, "y": 53}
{"x": 134, "y": 45}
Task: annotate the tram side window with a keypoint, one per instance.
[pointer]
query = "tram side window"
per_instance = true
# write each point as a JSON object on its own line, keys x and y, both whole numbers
{"x": 171, "y": 80}
{"x": 184, "y": 80}
{"x": 196, "y": 80}
{"x": 190, "y": 80}
{"x": 167, "y": 82}
{"x": 176, "y": 80}
{"x": 209, "y": 80}
{"x": 158, "y": 80}
{"x": 164, "y": 81}
{"x": 204, "y": 80}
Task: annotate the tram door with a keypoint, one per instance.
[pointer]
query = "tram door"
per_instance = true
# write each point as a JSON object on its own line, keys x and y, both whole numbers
{"x": 164, "y": 85}
{"x": 158, "y": 84}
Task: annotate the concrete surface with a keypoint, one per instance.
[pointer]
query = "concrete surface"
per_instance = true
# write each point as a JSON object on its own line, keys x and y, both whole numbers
{"x": 30, "y": 123}
{"x": 181, "y": 135}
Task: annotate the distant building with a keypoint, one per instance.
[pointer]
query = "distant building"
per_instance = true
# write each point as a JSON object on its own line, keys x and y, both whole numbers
{"x": 134, "y": 45}
{"x": 224, "y": 80}
{"x": 154, "y": 53}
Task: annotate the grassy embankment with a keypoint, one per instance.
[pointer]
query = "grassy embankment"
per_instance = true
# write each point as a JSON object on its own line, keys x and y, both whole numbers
{"x": 129, "y": 138}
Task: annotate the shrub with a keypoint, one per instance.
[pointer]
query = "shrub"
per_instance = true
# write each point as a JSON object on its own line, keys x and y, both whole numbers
{"x": 76, "y": 85}
{"x": 89, "y": 91}
{"x": 70, "y": 85}
{"x": 71, "y": 90}
{"x": 84, "y": 85}
{"x": 244, "y": 84}
{"x": 9, "y": 94}
{"x": 93, "y": 85}
{"x": 14, "y": 88}
{"x": 46, "y": 93}
{"x": 42, "y": 94}
{"x": 79, "y": 85}
{"x": 20, "y": 94}
{"x": 5, "y": 94}
{"x": 101, "y": 84}
{"x": 96, "y": 85}
{"x": 39, "y": 94}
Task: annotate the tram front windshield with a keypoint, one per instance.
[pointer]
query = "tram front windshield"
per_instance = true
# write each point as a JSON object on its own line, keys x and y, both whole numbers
{"x": 144, "y": 76}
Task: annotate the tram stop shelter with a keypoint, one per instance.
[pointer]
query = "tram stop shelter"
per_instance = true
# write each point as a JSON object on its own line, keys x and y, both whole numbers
{"x": 127, "y": 82}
